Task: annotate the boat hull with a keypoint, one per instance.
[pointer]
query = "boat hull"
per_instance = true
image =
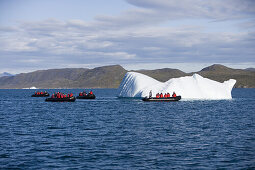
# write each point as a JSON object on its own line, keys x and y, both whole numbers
{"x": 168, "y": 99}
{"x": 71, "y": 99}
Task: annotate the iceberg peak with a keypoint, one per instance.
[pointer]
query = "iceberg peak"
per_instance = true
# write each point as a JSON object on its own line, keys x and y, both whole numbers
{"x": 189, "y": 87}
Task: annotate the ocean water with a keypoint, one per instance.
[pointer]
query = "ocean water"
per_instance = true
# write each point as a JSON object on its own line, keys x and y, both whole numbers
{"x": 113, "y": 133}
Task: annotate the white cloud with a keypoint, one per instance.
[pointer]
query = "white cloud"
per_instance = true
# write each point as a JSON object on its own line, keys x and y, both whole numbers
{"x": 135, "y": 36}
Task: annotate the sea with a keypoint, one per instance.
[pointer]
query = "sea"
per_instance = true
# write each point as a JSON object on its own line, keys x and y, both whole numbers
{"x": 126, "y": 133}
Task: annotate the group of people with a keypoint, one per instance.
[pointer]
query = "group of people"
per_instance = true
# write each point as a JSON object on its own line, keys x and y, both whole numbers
{"x": 166, "y": 95}
{"x": 61, "y": 95}
{"x": 40, "y": 92}
{"x": 85, "y": 94}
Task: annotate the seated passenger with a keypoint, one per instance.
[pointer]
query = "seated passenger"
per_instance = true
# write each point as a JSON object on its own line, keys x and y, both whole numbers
{"x": 71, "y": 95}
{"x": 174, "y": 95}
{"x": 52, "y": 96}
{"x": 168, "y": 94}
{"x": 157, "y": 95}
{"x": 165, "y": 95}
{"x": 90, "y": 92}
{"x": 161, "y": 95}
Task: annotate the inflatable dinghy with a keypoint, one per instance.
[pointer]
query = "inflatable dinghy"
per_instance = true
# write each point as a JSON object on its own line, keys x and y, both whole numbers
{"x": 41, "y": 95}
{"x": 168, "y": 99}
{"x": 88, "y": 96}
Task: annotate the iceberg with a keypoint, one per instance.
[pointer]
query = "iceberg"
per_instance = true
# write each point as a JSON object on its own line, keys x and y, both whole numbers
{"x": 189, "y": 87}
{"x": 33, "y": 87}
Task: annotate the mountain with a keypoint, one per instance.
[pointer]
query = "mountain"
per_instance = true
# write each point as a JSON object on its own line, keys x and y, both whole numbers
{"x": 100, "y": 77}
{"x": 250, "y": 69}
{"x": 222, "y": 73}
{"x": 163, "y": 74}
{"x": 111, "y": 76}
{"x": 5, "y": 74}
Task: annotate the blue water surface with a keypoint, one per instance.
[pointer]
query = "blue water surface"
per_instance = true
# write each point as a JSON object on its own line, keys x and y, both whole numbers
{"x": 113, "y": 133}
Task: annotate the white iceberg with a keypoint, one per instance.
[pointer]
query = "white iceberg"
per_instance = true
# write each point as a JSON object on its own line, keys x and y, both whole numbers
{"x": 188, "y": 87}
{"x": 33, "y": 87}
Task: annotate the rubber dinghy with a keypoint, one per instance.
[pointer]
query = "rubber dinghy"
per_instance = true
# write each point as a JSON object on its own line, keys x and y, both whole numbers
{"x": 168, "y": 99}
{"x": 41, "y": 95}
{"x": 88, "y": 96}
{"x": 66, "y": 99}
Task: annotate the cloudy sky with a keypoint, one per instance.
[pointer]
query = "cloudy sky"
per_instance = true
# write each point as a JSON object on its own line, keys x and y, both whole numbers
{"x": 137, "y": 34}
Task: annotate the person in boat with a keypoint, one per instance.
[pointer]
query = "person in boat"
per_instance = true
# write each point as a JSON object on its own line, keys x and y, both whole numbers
{"x": 168, "y": 95}
{"x": 165, "y": 95}
{"x": 157, "y": 95}
{"x": 150, "y": 94}
{"x": 52, "y": 96}
{"x": 174, "y": 94}
{"x": 161, "y": 95}
{"x": 71, "y": 95}
{"x": 91, "y": 93}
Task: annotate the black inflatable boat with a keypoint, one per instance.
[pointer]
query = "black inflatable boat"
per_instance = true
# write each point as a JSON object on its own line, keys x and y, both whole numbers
{"x": 67, "y": 99}
{"x": 88, "y": 96}
{"x": 168, "y": 99}
{"x": 41, "y": 95}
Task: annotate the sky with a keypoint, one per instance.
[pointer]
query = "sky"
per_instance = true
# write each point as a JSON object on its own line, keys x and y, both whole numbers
{"x": 137, "y": 34}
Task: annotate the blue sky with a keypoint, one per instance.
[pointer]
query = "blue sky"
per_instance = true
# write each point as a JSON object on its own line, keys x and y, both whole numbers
{"x": 137, "y": 34}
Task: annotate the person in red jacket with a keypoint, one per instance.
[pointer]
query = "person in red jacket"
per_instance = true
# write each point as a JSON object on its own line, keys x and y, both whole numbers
{"x": 165, "y": 95}
{"x": 168, "y": 95}
{"x": 174, "y": 94}
{"x": 71, "y": 95}
{"x": 90, "y": 92}
{"x": 161, "y": 95}
{"x": 157, "y": 95}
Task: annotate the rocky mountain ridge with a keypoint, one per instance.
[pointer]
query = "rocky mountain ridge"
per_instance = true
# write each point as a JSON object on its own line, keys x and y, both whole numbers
{"x": 111, "y": 76}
